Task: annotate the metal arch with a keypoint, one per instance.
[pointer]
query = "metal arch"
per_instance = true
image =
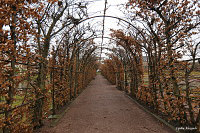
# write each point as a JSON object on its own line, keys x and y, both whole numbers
{"x": 108, "y": 16}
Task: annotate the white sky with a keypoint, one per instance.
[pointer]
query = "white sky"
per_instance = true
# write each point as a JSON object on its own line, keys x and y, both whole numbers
{"x": 113, "y": 9}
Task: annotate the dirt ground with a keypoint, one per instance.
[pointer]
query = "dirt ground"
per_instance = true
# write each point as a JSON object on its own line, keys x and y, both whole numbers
{"x": 101, "y": 108}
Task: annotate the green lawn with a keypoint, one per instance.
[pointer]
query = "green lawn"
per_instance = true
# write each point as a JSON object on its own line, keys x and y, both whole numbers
{"x": 18, "y": 100}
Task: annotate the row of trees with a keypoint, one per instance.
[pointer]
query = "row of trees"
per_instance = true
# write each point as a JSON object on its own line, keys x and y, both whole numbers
{"x": 165, "y": 32}
{"x": 46, "y": 59}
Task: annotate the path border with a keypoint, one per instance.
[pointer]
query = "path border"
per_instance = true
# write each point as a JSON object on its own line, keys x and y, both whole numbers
{"x": 154, "y": 115}
{"x": 60, "y": 116}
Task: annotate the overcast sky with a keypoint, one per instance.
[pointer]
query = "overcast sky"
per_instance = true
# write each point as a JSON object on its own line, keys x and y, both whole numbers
{"x": 113, "y": 9}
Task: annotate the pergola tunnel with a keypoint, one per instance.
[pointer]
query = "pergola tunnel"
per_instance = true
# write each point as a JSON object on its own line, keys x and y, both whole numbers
{"x": 51, "y": 50}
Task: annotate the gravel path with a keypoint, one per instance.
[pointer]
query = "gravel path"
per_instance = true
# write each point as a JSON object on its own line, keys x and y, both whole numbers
{"x": 101, "y": 108}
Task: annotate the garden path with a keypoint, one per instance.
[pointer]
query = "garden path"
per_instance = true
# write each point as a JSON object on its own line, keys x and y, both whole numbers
{"x": 101, "y": 108}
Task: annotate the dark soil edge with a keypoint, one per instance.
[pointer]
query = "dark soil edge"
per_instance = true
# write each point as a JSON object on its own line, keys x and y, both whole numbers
{"x": 61, "y": 112}
{"x": 154, "y": 115}
{"x": 65, "y": 109}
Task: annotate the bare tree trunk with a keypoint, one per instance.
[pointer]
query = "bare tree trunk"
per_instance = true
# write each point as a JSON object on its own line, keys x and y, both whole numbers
{"x": 125, "y": 78}
{"x": 76, "y": 74}
{"x": 12, "y": 85}
{"x": 190, "y": 109}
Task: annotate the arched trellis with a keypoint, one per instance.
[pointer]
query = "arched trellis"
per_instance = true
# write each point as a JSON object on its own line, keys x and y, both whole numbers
{"x": 95, "y": 37}
{"x": 105, "y": 16}
{"x": 114, "y": 17}
{"x": 108, "y": 16}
